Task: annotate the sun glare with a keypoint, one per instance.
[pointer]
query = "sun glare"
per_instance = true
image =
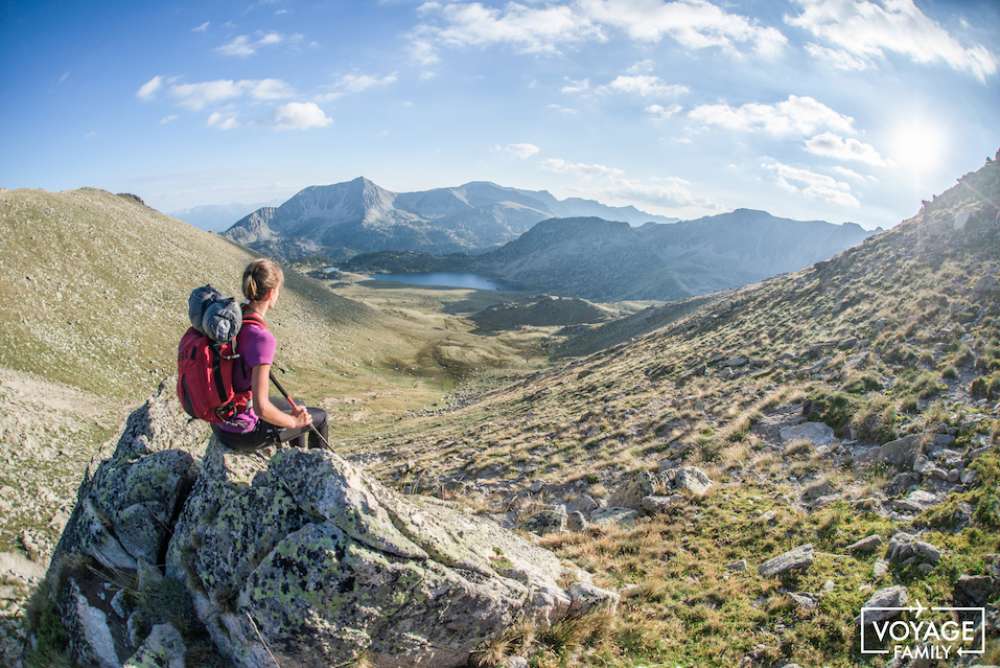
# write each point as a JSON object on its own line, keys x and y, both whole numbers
{"x": 917, "y": 145}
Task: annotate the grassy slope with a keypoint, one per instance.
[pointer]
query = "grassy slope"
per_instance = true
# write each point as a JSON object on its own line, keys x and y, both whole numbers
{"x": 888, "y": 338}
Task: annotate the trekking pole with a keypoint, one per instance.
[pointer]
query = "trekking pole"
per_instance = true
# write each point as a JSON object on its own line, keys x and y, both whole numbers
{"x": 291, "y": 402}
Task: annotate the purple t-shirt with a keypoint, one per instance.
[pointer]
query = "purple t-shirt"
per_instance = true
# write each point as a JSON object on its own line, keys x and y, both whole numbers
{"x": 255, "y": 346}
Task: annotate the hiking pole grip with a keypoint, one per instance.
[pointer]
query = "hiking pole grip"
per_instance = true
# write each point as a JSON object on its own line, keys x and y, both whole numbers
{"x": 291, "y": 402}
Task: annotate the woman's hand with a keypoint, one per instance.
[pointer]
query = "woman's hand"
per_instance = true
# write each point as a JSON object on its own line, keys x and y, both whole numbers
{"x": 301, "y": 416}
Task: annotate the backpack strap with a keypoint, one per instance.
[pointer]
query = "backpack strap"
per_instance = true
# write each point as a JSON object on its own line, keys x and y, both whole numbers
{"x": 254, "y": 319}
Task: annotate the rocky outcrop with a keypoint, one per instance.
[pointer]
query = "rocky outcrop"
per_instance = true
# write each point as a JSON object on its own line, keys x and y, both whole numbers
{"x": 794, "y": 560}
{"x": 287, "y": 557}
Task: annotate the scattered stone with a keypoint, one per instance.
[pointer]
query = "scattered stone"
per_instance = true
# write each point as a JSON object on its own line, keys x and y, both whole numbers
{"x": 975, "y": 590}
{"x": 640, "y": 485}
{"x": 880, "y": 568}
{"x": 549, "y": 520}
{"x": 817, "y": 433}
{"x": 817, "y": 490}
{"x": 738, "y": 566}
{"x": 890, "y": 597}
{"x": 905, "y": 549}
{"x": 576, "y": 521}
{"x": 654, "y": 505}
{"x": 901, "y": 482}
{"x": 515, "y": 662}
{"x": 797, "y": 559}
{"x": 902, "y": 453}
{"x": 803, "y": 601}
{"x": 866, "y": 545}
{"x": 692, "y": 480}
{"x": 604, "y": 517}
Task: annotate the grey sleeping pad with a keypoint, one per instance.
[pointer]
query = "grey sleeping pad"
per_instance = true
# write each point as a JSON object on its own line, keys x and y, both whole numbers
{"x": 213, "y": 314}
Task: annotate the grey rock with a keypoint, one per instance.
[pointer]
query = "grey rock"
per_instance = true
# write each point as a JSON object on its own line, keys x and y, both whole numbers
{"x": 299, "y": 554}
{"x": 603, "y": 517}
{"x": 975, "y": 590}
{"x": 803, "y": 601}
{"x": 515, "y": 662}
{"x": 738, "y": 566}
{"x": 691, "y": 480}
{"x": 880, "y": 568}
{"x": 549, "y": 520}
{"x": 902, "y": 452}
{"x": 890, "y": 597}
{"x": 639, "y": 485}
{"x": 817, "y": 433}
{"x": 330, "y": 564}
{"x": 817, "y": 490}
{"x": 866, "y": 545}
{"x": 576, "y": 521}
{"x": 163, "y": 648}
{"x": 793, "y": 560}
{"x": 905, "y": 549}
{"x": 901, "y": 482}
{"x": 655, "y": 505}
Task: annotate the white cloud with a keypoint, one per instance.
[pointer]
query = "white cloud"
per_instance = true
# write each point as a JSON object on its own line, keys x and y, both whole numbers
{"x": 694, "y": 24}
{"x": 356, "y": 83}
{"x": 201, "y": 27}
{"x": 574, "y": 87}
{"x": 537, "y": 29}
{"x": 168, "y": 119}
{"x": 870, "y": 29}
{"x": 662, "y": 113}
{"x": 644, "y": 85}
{"x": 522, "y": 151}
{"x": 830, "y": 145}
{"x": 560, "y": 109}
{"x": 853, "y": 175}
{"x": 532, "y": 27}
{"x": 242, "y": 46}
{"x": 301, "y": 116}
{"x": 837, "y": 58}
{"x": 613, "y": 184}
{"x": 812, "y": 184}
{"x": 642, "y": 67}
{"x": 794, "y": 116}
{"x": 222, "y": 120}
{"x": 560, "y": 166}
{"x": 196, "y": 96}
{"x": 63, "y": 77}
{"x": 148, "y": 90}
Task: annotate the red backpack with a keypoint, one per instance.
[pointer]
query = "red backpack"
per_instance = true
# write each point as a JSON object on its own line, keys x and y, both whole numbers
{"x": 205, "y": 375}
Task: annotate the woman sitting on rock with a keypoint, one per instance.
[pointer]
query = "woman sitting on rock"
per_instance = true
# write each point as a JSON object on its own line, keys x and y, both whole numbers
{"x": 266, "y": 420}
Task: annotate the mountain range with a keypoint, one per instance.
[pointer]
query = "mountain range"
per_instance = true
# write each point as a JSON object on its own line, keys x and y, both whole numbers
{"x": 605, "y": 260}
{"x": 217, "y": 217}
{"x": 358, "y": 216}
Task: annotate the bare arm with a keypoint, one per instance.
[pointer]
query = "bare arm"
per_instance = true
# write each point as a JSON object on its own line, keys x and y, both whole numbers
{"x": 261, "y": 383}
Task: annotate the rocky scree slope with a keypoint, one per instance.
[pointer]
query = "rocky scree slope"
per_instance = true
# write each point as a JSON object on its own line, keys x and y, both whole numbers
{"x": 859, "y": 397}
{"x": 176, "y": 553}
{"x": 358, "y": 216}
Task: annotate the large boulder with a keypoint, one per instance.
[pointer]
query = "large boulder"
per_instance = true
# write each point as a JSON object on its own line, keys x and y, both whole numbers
{"x": 302, "y": 556}
{"x": 286, "y": 555}
{"x": 902, "y": 452}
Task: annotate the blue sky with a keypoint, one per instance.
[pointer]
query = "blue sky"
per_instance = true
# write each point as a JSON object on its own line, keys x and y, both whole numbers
{"x": 810, "y": 109}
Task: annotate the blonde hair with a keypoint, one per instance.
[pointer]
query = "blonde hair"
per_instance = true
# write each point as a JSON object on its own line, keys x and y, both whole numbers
{"x": 260, "y": 277}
